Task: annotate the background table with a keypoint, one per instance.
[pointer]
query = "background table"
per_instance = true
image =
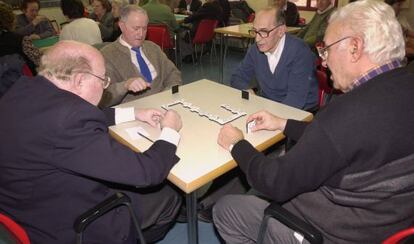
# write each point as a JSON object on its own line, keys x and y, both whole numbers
{"x": 201, "y": 158}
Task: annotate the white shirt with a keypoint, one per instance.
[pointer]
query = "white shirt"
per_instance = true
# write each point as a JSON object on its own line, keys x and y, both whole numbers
{"x": 82, "y": 30}
{"x": 128, "y": 114}
{"x": 274, "y": 58}
{"x": 135, "y": 61}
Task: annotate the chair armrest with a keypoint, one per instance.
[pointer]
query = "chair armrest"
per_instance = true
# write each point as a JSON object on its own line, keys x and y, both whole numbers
{"x": 102, "y": 208}
{"x": 296, "y": 224}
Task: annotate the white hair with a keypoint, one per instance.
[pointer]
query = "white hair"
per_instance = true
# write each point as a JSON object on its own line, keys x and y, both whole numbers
{"x": 375, "y": 22}
{"x": 126, "y": 10}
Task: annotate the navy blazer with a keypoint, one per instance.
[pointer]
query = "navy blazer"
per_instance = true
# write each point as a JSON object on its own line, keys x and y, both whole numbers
{"x": 55, "y": 156}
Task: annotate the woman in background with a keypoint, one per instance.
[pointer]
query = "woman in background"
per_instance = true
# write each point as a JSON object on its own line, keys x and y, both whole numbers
{"x": 14, "y": 43}
{"x": 117, "y": 5}
{"x": 79, "y": 28}
{"x": 30, "y": 23}
{"x": 103, "y": 16}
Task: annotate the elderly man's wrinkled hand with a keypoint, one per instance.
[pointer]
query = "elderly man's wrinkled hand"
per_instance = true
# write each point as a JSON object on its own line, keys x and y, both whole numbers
{"x": 171, "y": 120}
{"x": 136, "y": 84}
{"x": 229, "y": 135}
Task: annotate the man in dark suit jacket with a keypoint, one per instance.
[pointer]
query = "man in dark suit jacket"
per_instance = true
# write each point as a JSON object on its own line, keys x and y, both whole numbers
{"x": 211, "y": 9}
{"x": 57, "y": 159}
{"x": 188, "y": 6}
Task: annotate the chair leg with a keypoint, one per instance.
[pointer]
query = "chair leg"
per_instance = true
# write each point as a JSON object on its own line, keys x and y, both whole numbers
{"x": 262, "y": 230}
{"x": 202, "y": 49}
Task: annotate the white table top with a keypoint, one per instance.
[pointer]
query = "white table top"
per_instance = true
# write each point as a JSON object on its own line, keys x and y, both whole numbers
{"x": 201, "y": 158}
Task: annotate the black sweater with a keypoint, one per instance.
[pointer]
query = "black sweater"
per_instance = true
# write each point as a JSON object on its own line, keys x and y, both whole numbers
{"x": 351, "y": 174}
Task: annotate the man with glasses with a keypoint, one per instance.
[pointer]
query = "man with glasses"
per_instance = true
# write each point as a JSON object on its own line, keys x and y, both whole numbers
{"x": 137, "y": 67}
{"x": 351, "y": 173}
{"x": 283, "y": 65}
{"x": 57, "y": 159}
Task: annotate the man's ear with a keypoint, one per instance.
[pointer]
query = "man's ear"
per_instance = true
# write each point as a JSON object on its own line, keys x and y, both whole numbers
{"x": 78, "y": 82}
{"x": 355, "y": 48}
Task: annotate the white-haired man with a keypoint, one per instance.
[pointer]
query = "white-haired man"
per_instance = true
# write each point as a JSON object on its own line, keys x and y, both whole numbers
{"x": 351, "y": 174}
{"x": 57, "y": 159}
{"x": 137, "y": 67}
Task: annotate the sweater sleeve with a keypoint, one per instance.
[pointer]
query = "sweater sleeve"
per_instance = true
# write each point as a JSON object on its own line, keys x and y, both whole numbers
{"x": 244, "y": 73}
{"x": 303, "y": 169}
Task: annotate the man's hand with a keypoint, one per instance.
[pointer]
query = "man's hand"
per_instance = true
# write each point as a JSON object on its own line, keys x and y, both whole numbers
{"x": 171, "y": 120}
{"x": 151, "y": 116}
{"x": 136, "y": 84}
{"x": 38, "y": 19}
{"x": 229, "y": 135}
{"x": 266, "y": 121}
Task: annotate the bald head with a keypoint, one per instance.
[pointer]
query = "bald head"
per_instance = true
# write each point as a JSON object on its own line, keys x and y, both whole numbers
{"x": 75, "y": 67}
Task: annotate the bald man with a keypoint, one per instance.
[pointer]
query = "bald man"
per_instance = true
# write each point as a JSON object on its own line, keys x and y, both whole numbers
{"x": 57, "y": 159}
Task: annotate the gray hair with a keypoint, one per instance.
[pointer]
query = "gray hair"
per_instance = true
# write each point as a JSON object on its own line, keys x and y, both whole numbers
{"x": 126, "y": 10}
{"x": 375, "y": 22}
{"x": 279, "y": 14}
{"x": 63, "y": 67}
{"x": 120, "y": 3}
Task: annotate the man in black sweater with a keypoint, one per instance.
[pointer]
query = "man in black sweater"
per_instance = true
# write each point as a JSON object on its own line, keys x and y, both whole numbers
{"x": 353, "y": 166}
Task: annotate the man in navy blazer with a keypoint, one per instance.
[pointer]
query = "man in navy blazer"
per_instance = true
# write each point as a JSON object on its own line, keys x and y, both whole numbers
{"x": 283, "y": 65}
{"x": 57, "y": 159}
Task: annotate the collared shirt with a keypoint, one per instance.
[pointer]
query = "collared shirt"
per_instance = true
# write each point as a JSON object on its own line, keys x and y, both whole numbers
{"x": 128, "y": 114}
{"x": 135, "y": 61}
{"x": 376, "y": 71}
{"x": 274, "y": 58}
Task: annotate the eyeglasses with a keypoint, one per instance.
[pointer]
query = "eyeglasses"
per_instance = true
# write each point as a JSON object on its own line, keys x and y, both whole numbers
{"x": 105, "y": 81}
{"x": 323, "y": 48}
{"x": 262, "y": 33}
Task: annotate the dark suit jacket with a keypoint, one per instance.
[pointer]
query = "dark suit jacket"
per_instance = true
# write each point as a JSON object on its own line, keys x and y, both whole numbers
{"x": 209, "y": 10}
{"x": 55, "y": 155}
{"x": 291, "y": 14}
{"x": 194, "y": 5}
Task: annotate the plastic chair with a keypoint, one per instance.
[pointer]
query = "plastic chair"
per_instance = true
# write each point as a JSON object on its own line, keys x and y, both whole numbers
{"x": 15, "y": 230}
{"x": 116, "y": 200}
{"x": 251, "y": 18}
{"x": 158, "y": 33}
{"x": 204, "y": 34}
{"x": 400, "y": 236}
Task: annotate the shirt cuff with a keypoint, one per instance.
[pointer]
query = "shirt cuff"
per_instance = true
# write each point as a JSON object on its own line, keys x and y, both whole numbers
{"x": 170, "y": 135}
{"x": 124, "y": 115}
{"x": 231, "y": 147}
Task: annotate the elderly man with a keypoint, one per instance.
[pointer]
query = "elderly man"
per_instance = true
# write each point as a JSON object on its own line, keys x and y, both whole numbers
{"x": 137, "y": 67}
{"x": 57, "y": 159}
{"x": 283, "y": 65}
{"x": 315, "y": 30}
{"x": 353, "y": 166}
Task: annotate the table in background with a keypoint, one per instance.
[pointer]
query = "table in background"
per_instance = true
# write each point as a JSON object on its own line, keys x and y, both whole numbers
{"x": 180, "y": 18}
{"x": 45, "y": 43}
{"x": 201, "y": 158}
{"x": 241, "y": 31}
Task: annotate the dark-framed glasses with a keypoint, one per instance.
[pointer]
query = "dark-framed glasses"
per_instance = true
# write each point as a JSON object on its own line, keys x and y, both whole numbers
{"x": 262, "y": 33}
{"x": 323, "y": 48}
{"x": 105, "y": 81}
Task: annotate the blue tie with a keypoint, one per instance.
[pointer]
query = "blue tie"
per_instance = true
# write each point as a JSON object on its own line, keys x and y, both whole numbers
{"x": 143, "y": 66}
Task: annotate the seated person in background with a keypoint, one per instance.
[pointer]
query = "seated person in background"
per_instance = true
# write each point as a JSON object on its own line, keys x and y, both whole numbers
{"x": 67, "y": 160}
{"x": 137, "y": 67}
{"x": 188, "y": 6}
{"x": 29, "y": 23}
{"x": 103, "y": 16}
{"x": 225, "y": 6}
{"x": 116, "y": 9}
{"x": 211, "y": 9}
{"x": 241, "y": 10}
{"x": 283, "y": 65}
{"x": 407, "y": 28}
{"x": 344, "y": 174}
{"x": 159, "y": 13}
{"x": 79, "y": 28}
{"x": 13, "y": 43}
{"x": 315, "y": 30}
{"x": 290, "y": 10}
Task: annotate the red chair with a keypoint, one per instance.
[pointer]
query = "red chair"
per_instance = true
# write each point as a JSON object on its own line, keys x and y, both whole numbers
{"x": 204, "y": 34}
{"x": 158, "y": 33}
{"x": 26, "y": 70}
{"x": 399, "y": 236}
{"x": 16, "y": 231}
{"x": 251, "y": 18}
{"x": 302, "y": 21}
{"x": 324, "y": 88}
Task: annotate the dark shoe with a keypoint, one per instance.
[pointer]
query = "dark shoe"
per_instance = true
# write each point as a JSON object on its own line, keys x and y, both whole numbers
{"x": 188, "y": 59}
{"x": 205, "y": 215}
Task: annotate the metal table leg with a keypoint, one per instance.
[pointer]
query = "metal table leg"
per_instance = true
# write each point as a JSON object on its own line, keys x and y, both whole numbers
{"x": 192, "y": 229}
{"x": 221, "y": 59}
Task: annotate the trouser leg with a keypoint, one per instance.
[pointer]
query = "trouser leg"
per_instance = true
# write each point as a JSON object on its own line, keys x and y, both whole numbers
{"x": 238, "y": 219}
